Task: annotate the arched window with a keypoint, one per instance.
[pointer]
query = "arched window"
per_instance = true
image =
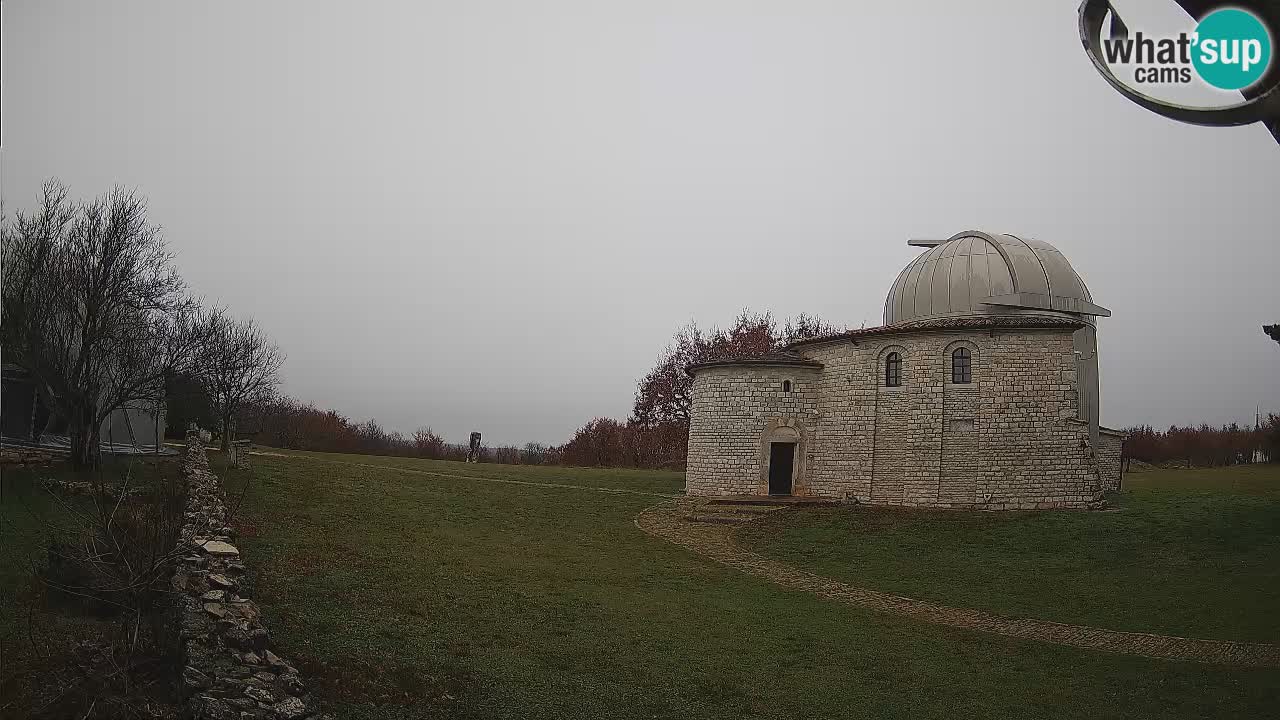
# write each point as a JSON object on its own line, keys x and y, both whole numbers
{"x": 893, "y": 370}
{"x": 786, "y": 386}
{"x": 961, "y": 366}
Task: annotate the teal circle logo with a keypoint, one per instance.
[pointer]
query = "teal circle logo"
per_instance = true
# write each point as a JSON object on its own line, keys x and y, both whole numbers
{"x": 1232, "y": 49}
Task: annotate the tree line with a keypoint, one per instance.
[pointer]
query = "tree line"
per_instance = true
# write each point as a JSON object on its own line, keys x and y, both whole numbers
{"x": 285, "y": 422}
{"x": 1205, "y": 446}
{"x": 655, "y": 436}
{"x": 94, "y": 310}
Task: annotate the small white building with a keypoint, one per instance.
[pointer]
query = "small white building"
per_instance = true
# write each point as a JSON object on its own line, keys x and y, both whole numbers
{"x": 26, "y": 418}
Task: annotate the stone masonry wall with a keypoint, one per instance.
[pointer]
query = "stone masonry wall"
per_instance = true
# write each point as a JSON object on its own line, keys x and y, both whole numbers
{"x": 734, "y": 409}
{"x": 1111, "y": 445}
{"x": 230, "y": 673}
{"x": 1007, "y": 440}
{"x": 962, "y": 451}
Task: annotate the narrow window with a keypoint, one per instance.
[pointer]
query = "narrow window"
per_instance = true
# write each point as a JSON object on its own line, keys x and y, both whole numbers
{"x": 786, "y": 386}
{"x": 893, "y": 370}
{"x": 961, "y": 366}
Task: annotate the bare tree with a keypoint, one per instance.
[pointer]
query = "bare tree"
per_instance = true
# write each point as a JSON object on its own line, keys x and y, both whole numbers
{"x": 428, "y": 444}
{"x": 239, "y": 365}
{"x": 93, "y": 308}
{"x": 806, "y": 327}
{"x": 663, "y": 395}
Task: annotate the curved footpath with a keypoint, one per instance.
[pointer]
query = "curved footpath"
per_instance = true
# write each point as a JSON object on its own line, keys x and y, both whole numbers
{"x": 667, "y": 521}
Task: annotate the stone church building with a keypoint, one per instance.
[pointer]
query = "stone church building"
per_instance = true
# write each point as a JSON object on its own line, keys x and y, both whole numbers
{"x": 979, "y": 391}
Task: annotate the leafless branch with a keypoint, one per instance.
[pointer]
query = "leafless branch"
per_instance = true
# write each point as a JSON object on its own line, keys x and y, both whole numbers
{"x": 239, "y": 365}
{"x": 92, "y": 307}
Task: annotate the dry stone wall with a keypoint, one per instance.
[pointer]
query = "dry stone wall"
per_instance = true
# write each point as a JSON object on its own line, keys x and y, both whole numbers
{"x": 1008, "y": 440}
{"x": 231, "y": 672}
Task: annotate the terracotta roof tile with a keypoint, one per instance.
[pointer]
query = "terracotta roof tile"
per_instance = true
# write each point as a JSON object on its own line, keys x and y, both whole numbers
{"x": 777, "y": 358}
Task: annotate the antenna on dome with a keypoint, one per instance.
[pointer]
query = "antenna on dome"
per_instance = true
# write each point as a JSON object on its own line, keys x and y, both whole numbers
{"x": 924, "y": 242}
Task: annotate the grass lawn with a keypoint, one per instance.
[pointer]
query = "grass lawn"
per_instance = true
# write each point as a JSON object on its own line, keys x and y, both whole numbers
{"x": 640, "y": 481}
{"x": 1194, "y": 553}
{"x": 408, "y": 588}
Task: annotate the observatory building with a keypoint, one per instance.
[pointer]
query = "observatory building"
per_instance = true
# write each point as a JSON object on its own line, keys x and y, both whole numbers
{"x": 979, "y": 391}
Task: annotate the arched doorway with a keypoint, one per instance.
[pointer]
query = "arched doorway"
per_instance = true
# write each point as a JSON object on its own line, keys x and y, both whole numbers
{"x": 782, "y": 461}
{"x": 781, "y": 448}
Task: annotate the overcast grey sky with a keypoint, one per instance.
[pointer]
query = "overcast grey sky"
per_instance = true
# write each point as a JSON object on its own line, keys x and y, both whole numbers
{"x": 493, "y": 215}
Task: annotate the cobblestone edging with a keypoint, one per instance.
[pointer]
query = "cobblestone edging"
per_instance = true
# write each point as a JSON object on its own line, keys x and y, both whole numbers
{"x": 230, "y": 673}
{"x": 667, "y": 521}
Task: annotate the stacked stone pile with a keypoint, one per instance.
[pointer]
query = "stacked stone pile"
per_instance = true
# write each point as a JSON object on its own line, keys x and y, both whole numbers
{"x": 231, "y": 672}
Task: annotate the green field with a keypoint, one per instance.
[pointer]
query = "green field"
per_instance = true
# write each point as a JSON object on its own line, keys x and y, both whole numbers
{"x": 409, "y": 588}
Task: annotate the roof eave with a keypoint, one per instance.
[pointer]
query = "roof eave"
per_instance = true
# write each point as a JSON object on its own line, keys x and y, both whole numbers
{"x": 750, "y": 362}
{"x": 1036, "y": 301}
{"x": 1011, "y": 322}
